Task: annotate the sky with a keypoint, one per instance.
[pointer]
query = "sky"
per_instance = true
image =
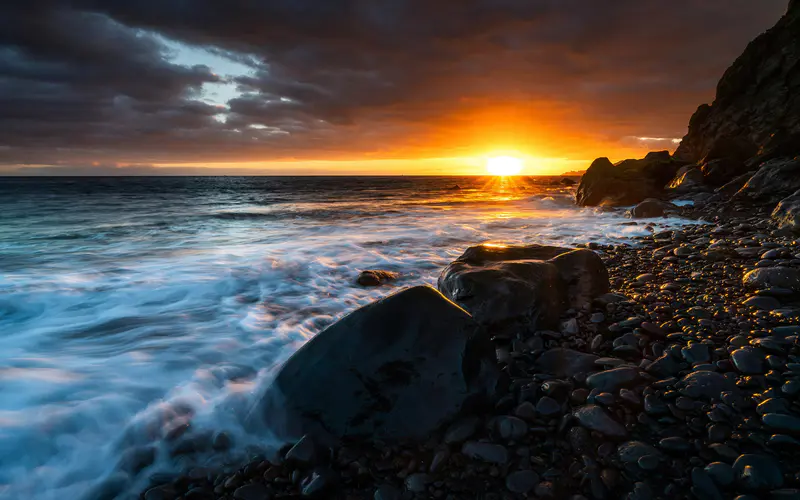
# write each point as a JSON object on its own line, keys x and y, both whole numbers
{"x": 292, "y": 87}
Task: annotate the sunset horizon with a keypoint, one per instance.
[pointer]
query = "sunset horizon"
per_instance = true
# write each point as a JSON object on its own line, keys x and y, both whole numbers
{"x": 310, "y": 94}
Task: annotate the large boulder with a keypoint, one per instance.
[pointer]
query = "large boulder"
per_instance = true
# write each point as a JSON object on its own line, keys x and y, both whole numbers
{"x": 756, "y": 110}
{"x": 787, "y": 213}
{"x": 532, "y": 285}
{"x": 628, "y": 182}
{"x": 394, "y": 369}
{"x": 775, "y": 180}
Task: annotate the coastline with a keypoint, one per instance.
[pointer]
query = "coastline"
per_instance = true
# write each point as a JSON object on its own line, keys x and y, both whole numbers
{"x": 693, "y": 370}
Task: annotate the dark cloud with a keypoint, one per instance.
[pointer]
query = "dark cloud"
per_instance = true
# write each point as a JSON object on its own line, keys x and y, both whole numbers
{"x": 90, "y": 80}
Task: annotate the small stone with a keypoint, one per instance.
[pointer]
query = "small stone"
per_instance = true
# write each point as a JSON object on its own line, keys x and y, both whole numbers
{"x": 773, "y": 405}
{"x": 631, "y": 397}
{"x": 782, "y": 423}
{"x": 461, "y": 430}
{"x": 613, "y": 380}
{"x": 570, "y": 327}
{"x": 594, "y": 418}
{"x": 439, "y": 459}
{"x": 703, "y": 385}
{"x": 253, "y": 491}
{"x": 696, "y": 353}
{"x": 791, "y": 387}
{"x": 633, "y": 451}
{"x": 649, "y": 462}
{"x": 698, "y": 312}
{"x": 511, "y": 428}
{"x": 674, "y": 444}
{"x": 521, "y": 482}
{"x": 748, "y": 360}
{"x": 376, "y": 277}
{"x": 417, "y": 483}
{"x": 486, "y": 452}
{"x": 597, "y": 318}
{"x": 387, "y": 492}
{"x": 525, "y": 411}
{"x": 782, "y": 277}
{"x": 718, "y": 433}
{"x": 320, "y": 480}
{"x": 703, "y": 486}
{"x": 763, "y": 303}
{"x": 548, "y": 407}
{"x": 605, "y": 399}
{"x": 757, "y": 472}
{"x": 721, "y": 473}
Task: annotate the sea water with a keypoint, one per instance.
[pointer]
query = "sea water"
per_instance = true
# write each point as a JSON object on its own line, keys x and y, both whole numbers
{"x": 129, "y": 306}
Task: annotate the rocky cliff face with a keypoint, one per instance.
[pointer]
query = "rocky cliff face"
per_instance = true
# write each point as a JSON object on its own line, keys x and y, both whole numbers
{"x": 757, "y": 107}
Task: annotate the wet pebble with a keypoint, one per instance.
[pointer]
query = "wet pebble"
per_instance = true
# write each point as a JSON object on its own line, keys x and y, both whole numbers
{"x": 594, "y": 418}
{"x": 486, "y": 452}
{"x": 748, "y": 360}
{"x": 521, "y": 482}
{"x": 757, "y": 472}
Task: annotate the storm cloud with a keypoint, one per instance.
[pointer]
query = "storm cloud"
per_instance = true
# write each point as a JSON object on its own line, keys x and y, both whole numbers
{"x": 97, "y": 81}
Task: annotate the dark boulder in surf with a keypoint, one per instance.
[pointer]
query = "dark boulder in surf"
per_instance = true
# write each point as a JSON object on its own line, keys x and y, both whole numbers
{"x": 650, "y": 208}
{"x": 627, "y": 182}
{"x": 531, "y": 285}
{"x": 395, "y": 369}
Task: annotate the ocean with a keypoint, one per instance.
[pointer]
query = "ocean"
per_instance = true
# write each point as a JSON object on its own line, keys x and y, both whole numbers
{"x": 130, "y": 304}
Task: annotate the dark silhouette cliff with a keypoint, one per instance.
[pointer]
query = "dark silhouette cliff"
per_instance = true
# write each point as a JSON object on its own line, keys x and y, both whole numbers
{"x": 756, "y": 112}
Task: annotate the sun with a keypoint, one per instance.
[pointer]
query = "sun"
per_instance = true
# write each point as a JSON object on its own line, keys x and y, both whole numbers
{"x": 503, "y": 165}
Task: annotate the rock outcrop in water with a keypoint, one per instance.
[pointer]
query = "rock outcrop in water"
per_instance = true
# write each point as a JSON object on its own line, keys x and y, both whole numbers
{"x": 376, "y": 277}
{"x": 529, "y": 286}
{"x": 395, "y": 369}
{"x": 757, "y": 107}
{"x": 754, "y": 122}
{"x": 628, "y": 182}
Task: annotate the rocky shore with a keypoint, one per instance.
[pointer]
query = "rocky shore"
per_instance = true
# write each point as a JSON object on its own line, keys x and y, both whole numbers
{"x": 664, "y": 368}
{"x": 682, "y": 381}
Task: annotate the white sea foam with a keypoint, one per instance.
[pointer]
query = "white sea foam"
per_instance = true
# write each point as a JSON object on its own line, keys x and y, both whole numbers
{"x": 123, "y": 319}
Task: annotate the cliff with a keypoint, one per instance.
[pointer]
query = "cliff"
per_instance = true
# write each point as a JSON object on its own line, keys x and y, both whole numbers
{"x": 756, "y": 111}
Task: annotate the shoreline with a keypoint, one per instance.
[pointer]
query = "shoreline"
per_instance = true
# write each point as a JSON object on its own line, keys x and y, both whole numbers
{"x": 670, "y": 320}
